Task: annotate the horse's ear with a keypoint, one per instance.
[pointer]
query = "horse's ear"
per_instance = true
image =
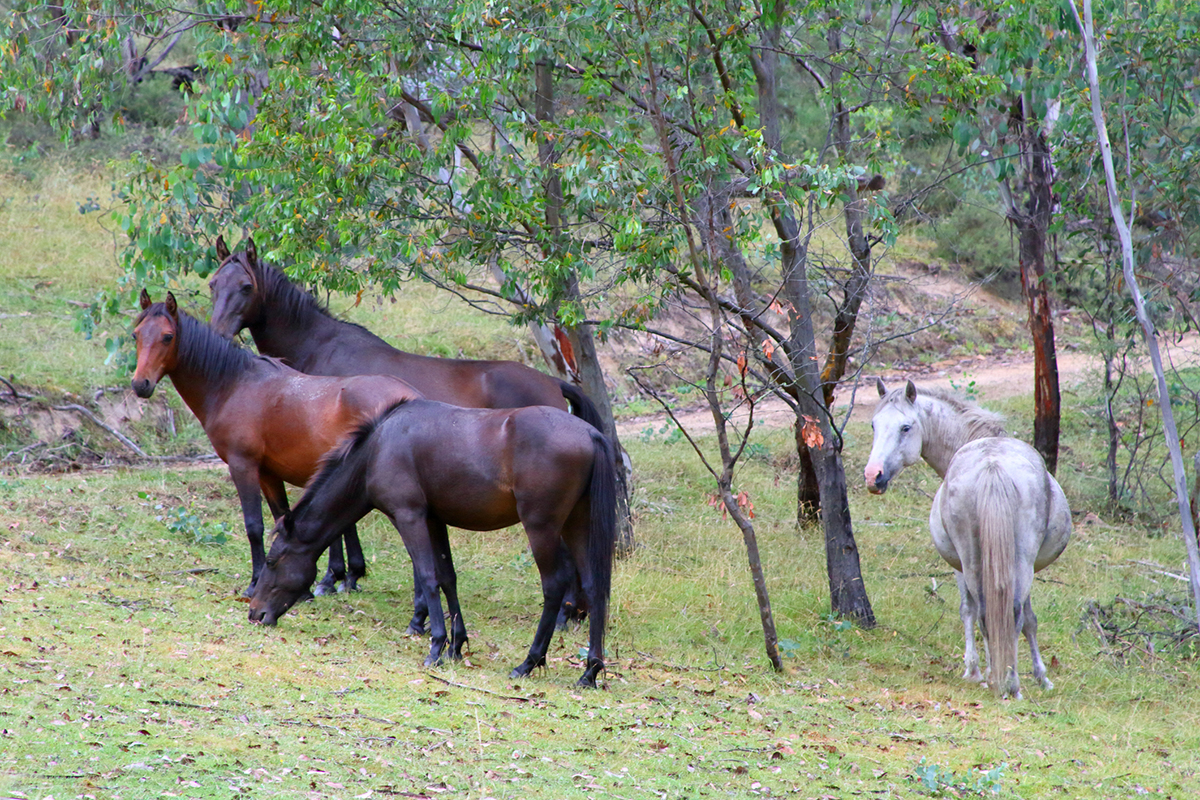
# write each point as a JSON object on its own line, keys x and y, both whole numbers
{"x": 222, "y": 248}
{"x": 289, "y": 524}
{"x": 879, "y": 387}
{"x": 172, "y": 308}
{"x": 251, "y": 252}
{"x": 910, "y": 391}
{"x": 144, "y": 300}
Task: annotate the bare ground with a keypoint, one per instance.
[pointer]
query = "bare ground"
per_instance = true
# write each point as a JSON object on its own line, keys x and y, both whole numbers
{"x": 990, "y": 378}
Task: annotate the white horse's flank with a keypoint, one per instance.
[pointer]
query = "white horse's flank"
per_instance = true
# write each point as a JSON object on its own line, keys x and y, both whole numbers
{"x": 997, "y": 518}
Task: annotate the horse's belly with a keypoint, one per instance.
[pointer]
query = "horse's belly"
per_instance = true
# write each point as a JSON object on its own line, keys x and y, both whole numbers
{"x": 476, "y": 511}
{"x": 942, "y": 542}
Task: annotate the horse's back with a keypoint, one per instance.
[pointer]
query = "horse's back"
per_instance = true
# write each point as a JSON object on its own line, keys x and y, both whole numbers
{"x": 476, "y": 467}
{"x": 1013, "y": 476}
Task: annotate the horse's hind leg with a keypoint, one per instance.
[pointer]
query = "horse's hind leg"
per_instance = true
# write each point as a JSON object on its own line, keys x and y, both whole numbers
{"x": 550, "y": 557}
{"x": 574, "y": 604}
{"x": 969, "y": 612}
{"x": 1029, "y": 628}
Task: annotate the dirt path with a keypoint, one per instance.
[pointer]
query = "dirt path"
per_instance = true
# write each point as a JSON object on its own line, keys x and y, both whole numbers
{"x": 991, "y": 378}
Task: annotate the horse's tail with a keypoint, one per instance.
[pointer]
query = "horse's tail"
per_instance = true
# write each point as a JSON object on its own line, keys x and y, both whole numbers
{"x": 602, "y": 538}
{"x": 997, "y": 545}
{"x": 581, "y": 405}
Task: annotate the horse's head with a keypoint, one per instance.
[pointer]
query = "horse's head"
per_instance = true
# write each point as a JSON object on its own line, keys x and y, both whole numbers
{"x": 156, "y": 333}
{"x": 897, "y": 436}
{"x": 236, "y": 298}
{"x": 285, "y": 579}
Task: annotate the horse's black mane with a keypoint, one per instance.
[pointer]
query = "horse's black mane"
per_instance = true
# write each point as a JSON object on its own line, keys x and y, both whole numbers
{"x": 291, "y": 301}
{"x": 336, "y": 459}
{"x": 200, "y": 349}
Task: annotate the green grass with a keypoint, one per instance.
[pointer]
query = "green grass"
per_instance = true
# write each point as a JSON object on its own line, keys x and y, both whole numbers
{"x": 130, "y": 669}
{"x": 133, "y": 672}
{"x": 54, "y": 258}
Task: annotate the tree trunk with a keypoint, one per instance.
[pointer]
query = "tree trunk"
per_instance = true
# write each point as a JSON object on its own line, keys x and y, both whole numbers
{"x": 586, "y": 370}
{"x": 854, "y": 213}
{"x": 1032, "y": 222}
{"x": 848, "y": 594}
{"x": 1188, "y": 528}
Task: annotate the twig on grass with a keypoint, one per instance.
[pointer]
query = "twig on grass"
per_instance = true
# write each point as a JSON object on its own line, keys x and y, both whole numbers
{"x": 489, "y": 691}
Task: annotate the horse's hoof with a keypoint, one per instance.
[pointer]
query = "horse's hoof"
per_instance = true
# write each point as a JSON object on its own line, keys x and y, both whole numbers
{"x": 413, "y": 630}
{"x": 586, "y": 682}
{"x": 1047, "y": 684}
{"x": 433, "y": 661}
{"x": 323, "y": 589}
{"x": 249, "y": 591}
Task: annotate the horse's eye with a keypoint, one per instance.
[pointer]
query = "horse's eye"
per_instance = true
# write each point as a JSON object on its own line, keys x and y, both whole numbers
{"x": 271, "y": 564}
{"x": 167, "y": 337}
{"x": 905, "y": 428}
{"x": 246, "y": 289}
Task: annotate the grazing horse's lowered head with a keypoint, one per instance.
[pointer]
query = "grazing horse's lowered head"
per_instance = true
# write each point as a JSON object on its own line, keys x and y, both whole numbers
{"x": 286, "y": 579}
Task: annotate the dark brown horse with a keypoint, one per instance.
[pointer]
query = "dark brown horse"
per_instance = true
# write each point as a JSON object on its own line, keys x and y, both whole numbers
{"x": 288, "y": 323}
{"x": 268, "y": 422}
{"x": 428, "y": 465}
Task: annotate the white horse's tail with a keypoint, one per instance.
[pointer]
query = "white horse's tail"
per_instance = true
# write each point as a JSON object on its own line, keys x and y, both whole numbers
{"x": 997, "y": 500}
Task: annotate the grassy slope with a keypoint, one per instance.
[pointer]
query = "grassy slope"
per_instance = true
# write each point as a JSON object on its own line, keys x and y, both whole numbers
{"x": 130, "y": 673}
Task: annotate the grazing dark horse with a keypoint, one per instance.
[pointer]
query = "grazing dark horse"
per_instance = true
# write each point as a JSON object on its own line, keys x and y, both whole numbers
{"x": 268, "y": 422}
{"x": 288, "y": 323}
{"x": 997, "y": 518}
{"x": 428, "y": 465}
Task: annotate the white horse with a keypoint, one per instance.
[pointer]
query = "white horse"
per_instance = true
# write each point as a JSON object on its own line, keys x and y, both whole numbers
{"x": 997, "y": 518}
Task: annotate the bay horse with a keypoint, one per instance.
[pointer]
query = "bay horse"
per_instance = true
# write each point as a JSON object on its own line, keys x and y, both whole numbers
{"x": 268, "y": 422}
{"x": 998, "y": 517}
{"x": 290, "y": 324}
{"x": 428, "y": 465}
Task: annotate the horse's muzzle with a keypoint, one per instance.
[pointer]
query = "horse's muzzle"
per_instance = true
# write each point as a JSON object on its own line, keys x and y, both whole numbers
{"x": 263, "y": 617}
{"x": 877, "y": 482}
{"x": 143, "y": 387}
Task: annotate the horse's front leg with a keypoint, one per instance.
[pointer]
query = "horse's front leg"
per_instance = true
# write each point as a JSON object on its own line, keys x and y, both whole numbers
{"x": 447, "y": 579}
{"x": 356, "y": 562}
{"x": 245, "y": 479}
{"x": 335, "y": 569}
{"x": 416, "y": 626}
{"x": 413, "y": 528}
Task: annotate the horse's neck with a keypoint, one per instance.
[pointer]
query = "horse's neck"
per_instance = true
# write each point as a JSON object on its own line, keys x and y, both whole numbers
{"x": 203, "y": 391}
{"x": 944, "y": 432}
{"x": 334, "y": 505}
{"x": 294, "y": 328}
{"x": 290, "y": 326}
{"x": 193, "y": 393}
